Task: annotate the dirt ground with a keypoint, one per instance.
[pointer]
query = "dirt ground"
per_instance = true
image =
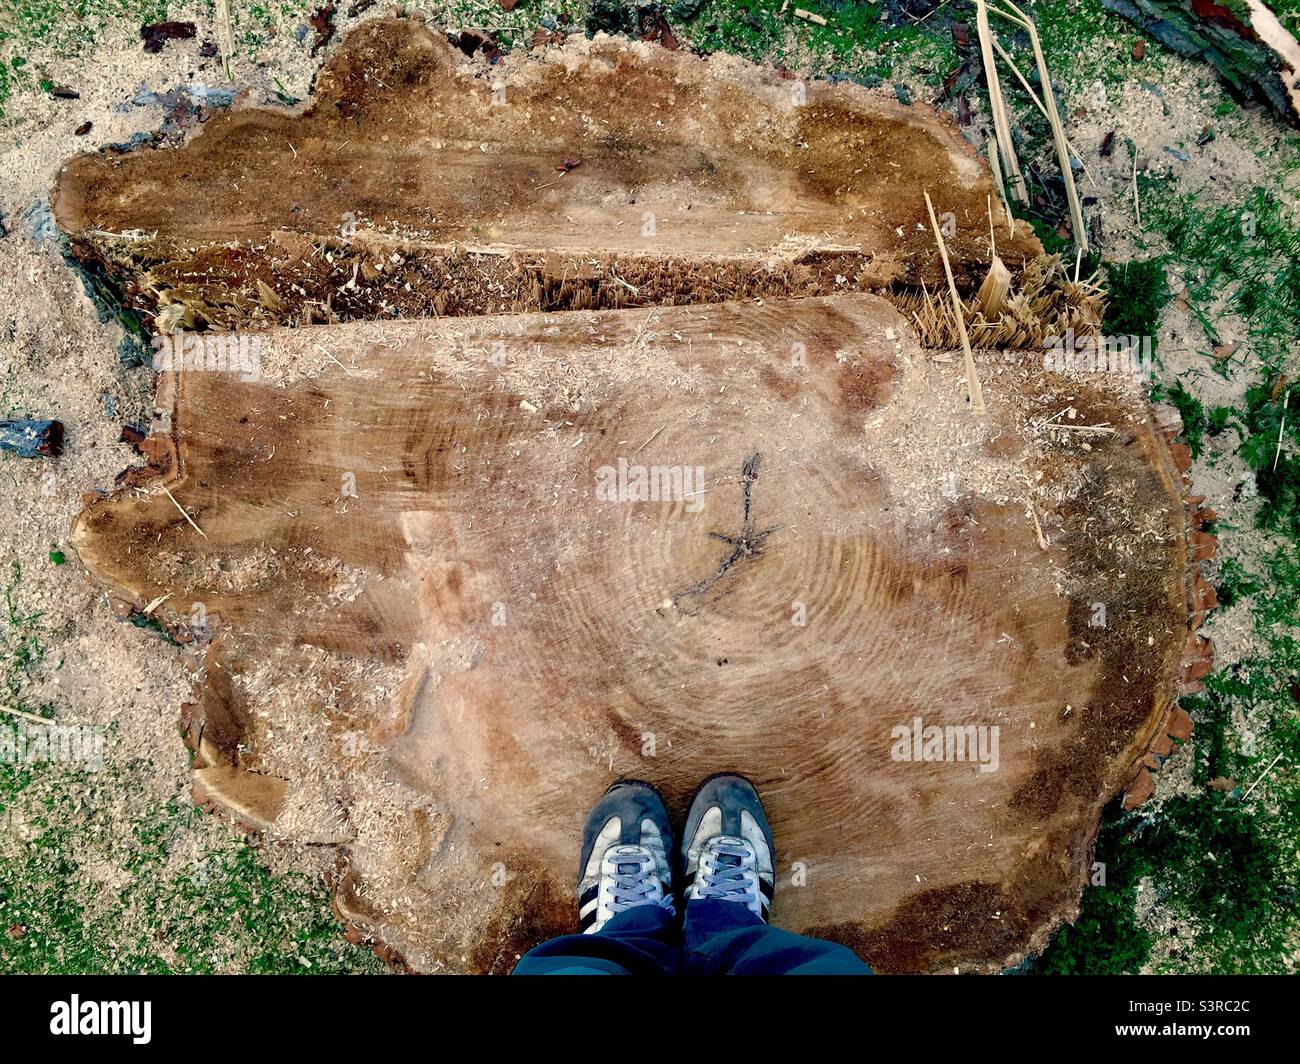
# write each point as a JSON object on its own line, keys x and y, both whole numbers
{"x": 59, "y": 358}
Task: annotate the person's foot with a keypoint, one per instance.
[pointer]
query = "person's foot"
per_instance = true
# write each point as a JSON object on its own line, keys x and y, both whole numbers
{"x": 625, "y": 860}
{"x": 727, "y": 848}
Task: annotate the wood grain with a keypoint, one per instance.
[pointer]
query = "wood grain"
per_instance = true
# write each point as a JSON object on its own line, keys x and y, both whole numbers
{"x": 441, "y": 671}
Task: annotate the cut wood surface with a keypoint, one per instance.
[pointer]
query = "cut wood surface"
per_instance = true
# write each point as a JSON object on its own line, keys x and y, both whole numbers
{"x": 418, "y": 182}
{"x": 432, "y": 641}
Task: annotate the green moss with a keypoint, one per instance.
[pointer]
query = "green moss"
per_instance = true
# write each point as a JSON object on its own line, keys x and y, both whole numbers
{"x": 1193, "y": 415}
{"x": 1270, "y": 449}
{"x": 1106, "y": 939}
{"x": 1243, "y": 259}
{"x": 1137, "y": 292}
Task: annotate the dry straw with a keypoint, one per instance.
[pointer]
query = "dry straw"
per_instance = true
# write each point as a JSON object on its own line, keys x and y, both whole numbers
{"x": 972, "y": 379}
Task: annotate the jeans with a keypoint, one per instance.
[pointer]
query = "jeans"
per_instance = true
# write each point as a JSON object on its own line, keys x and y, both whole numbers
{"x": 716, "y": 938}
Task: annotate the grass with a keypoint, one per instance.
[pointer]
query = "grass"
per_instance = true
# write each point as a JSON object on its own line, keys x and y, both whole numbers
{"x": 1242, "y": 259}
{"x": 1222, "y": 861}
{"x": 89, "y": 893}
{"x": 22, "y": 648}
{"x": 96, "y": 877}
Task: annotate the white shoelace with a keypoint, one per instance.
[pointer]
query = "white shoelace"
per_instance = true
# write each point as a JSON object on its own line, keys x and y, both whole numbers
{"x": 728, "y": 871}
{"x": 635, "y": 881}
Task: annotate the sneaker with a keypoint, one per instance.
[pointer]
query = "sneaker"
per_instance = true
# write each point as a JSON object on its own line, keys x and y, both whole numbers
{"x": 625, "y": 855}
{"x": 727, "y": 848}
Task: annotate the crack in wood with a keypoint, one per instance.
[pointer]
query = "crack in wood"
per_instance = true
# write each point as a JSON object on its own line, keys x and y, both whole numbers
{"x": 748, "y": 543}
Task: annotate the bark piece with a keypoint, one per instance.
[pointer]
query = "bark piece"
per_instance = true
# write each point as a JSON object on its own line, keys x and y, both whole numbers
{"x": 1140, "y": 790}
{"x": 419, "y": 614}
{"x": 1180, "y": 725}
{"x": 32, "y": 439}
{"x": 1252, "y": 51}
{"x": 157, "y": 34}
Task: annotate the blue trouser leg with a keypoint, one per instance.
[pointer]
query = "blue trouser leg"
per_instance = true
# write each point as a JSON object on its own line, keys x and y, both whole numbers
{"x": 721, "y": 938}
{"x": 644, "y": 940}
{"x": 725, "y": 938}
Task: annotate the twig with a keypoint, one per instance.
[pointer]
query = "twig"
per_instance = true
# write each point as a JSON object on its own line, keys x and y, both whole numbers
{"x": 1054, "y": 119}
{"x": 26, "y": 716}
{"x": 972, "y": 379}
{"x": 1043, "y": 424}
{"x": 998, "y": 107}
{"x": 1034, "y": 96}
{"x": 644, "y": 322}
{"x": 157, "y": 602}
{"x": 996, "y": 167}
{"x": 1281, "y": 429}
{"x": 1262, "y": 775}
{"x": 650, "y": 440}
{"x": 1137, "y": 203}
{"x": 809, "y": 16}
{"x": 182, "y": 510}
{"x": 1038, "y": 529}
{"x": 1086, "y": 428}
{"x": 225, "y": 35}
{"x": 335, "y": 360}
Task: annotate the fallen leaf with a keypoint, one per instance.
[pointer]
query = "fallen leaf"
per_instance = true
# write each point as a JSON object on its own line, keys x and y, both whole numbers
{"x": 472, "y": 41}
{"x": 322, "y": 21}
{"x": 156, "y": 34}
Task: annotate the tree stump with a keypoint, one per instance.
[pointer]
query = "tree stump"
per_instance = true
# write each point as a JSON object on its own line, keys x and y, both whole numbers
{"x": 450, "y": 578}
{"x": 436, "y": 635}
